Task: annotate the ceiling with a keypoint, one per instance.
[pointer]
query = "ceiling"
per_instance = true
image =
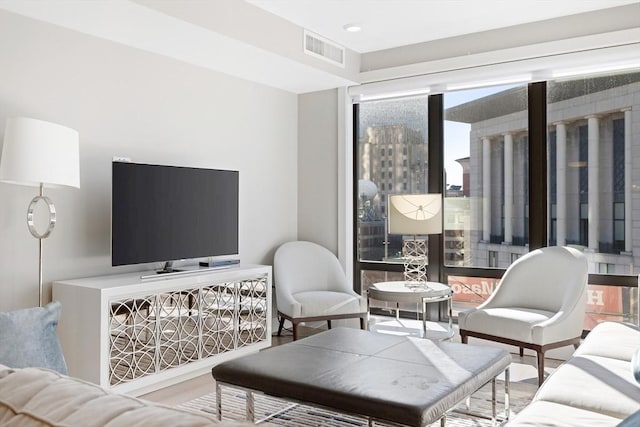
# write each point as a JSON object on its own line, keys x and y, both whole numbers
{"x": 393, "y": 23}
{"x": 260, "y": 40}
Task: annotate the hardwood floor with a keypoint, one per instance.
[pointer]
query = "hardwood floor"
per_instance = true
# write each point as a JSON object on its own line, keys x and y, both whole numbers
{"x": 523, "y": 369}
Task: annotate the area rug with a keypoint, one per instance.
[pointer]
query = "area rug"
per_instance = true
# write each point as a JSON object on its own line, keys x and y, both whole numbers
{"x": 279, "y": 412}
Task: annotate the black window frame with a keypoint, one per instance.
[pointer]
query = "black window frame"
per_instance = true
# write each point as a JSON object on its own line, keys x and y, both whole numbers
{"x": 537, "y": 235}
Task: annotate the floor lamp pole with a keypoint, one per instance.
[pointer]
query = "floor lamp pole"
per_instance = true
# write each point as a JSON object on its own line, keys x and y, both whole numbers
{"x": 40, "y": 237}
{"x": 39, "y": 272}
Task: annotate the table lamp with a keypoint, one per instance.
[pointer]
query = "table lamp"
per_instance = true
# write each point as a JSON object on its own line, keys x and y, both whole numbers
{"x": 417, "y": 214}
{"x": 39, "y": 153}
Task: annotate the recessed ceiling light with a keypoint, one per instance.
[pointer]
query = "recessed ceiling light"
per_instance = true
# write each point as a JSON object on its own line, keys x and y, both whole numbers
{"x": 352, "y": 28}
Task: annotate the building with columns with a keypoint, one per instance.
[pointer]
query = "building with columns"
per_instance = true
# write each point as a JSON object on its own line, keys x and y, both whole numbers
{"x": 593, "y": 172}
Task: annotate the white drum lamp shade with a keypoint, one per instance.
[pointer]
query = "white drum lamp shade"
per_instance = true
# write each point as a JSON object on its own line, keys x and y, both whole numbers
{"x": 417, "y": 214}
{"x": 37, "y": 152}
{"x": 40, "y": 153}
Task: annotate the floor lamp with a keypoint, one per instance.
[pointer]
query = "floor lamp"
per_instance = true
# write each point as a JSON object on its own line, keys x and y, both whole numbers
{"x": 40, "y": 153}
{"x": 417, "y": 214}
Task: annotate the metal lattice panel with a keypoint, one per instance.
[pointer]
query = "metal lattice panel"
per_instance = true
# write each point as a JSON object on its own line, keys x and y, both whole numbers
{"x": 252, "y": 311}
{"x": 132, "y": 339}
{"x": 178, "y": 333}
{"x": 415, "y": 260}
{"x": 153, "y": 333}
{"x": 218, "y": 319}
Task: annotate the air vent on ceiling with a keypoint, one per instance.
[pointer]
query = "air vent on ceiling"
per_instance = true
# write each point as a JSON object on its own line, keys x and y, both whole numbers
{"x": 322, "y": 48}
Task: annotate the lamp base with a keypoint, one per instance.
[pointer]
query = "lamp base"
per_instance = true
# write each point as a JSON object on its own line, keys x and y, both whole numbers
{"x": 415, "y": 262}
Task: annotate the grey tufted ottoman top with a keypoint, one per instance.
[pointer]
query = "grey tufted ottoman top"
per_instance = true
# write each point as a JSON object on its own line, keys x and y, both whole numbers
{"x": 405, "y": 380}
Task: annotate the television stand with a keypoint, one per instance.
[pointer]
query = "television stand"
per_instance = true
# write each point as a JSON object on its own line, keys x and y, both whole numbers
{"x": 166, "y": 268}
{"x": 134, "y": 336}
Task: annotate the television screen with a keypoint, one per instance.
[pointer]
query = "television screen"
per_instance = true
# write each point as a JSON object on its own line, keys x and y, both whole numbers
{"x": 167, "y": 213}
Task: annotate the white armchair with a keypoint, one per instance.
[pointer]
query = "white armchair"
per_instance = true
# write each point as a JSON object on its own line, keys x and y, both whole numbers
{"x": 311, "y": 286}
{"x": 539, "y": 304}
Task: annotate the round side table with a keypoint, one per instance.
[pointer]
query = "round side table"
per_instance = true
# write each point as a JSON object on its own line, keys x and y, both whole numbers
{"x": 414, "y": 292}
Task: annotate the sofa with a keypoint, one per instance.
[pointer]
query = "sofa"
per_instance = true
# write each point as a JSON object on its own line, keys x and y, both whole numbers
{"x": 595, "y": 387}
{"x": 37, "y": 397}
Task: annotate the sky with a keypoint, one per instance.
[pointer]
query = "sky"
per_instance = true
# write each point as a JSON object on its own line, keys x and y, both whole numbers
{"x": 456, "y": 135}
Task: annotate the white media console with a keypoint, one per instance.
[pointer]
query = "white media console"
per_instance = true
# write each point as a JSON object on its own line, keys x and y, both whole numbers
{"x": 135, "y": 335}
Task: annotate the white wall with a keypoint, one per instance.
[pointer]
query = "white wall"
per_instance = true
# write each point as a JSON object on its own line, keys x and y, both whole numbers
{"x": 318, "y": 168}
{"x": 126, "y": 102}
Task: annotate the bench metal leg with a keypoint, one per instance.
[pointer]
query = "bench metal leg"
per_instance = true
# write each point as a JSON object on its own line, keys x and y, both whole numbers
{"x": 507, "y": 397}
{"x": 249, "y": 407}
{"x": 493, "y": 402}
{"x": 219, "y": 401}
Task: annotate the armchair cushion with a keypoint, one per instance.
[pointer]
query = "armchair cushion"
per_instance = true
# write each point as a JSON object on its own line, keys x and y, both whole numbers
{"x": 514, "y": 323}
{"x": 28, "y": 338}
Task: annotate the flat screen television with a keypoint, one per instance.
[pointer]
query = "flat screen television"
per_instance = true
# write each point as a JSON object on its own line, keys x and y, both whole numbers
{"x": 168, "y": 213}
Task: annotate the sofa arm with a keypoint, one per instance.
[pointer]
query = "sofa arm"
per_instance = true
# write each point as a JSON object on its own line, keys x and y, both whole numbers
{"x": 42, "y": 398}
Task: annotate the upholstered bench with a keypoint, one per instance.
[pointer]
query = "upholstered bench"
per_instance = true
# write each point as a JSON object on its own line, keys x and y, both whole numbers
{"x": 404, "y": 380}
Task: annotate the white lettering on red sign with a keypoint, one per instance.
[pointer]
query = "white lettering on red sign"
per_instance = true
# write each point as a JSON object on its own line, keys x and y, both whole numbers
{"x": 595, "y": 297}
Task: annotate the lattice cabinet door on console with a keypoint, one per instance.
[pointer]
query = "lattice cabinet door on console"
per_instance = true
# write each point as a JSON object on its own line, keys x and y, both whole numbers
{"x": 167, "y": 327}
{"x": 165, "y": 330}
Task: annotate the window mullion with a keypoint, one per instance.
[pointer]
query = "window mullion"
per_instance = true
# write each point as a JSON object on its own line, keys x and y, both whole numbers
{"x": 435, "y": 180}
{"x": 537, "y": 100}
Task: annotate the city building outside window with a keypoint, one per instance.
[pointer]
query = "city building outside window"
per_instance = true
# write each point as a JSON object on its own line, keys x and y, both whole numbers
{"x": 589, "y": 190}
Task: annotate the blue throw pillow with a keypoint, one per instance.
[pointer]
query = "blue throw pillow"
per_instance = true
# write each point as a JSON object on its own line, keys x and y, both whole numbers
{"x": 28, "y": 338}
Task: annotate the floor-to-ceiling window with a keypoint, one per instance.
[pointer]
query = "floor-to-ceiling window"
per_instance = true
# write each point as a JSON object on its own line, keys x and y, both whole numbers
{"x": 391, "y": 158}
{"x": 576, "y": 188}
{"x": 486, "y": 160}
{"x": 592, "y": 176}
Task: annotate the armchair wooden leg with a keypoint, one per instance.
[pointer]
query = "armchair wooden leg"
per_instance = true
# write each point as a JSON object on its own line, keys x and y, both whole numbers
{"x": 521, "y": 351}
{"x": 464, "y": 339}
{"x": 363, "y": 323}
{"x": 540, "y": 368}
{"x": 328, "y": 324}
{"x": 295, "y": 330}
{"x": 280, "y": 326}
